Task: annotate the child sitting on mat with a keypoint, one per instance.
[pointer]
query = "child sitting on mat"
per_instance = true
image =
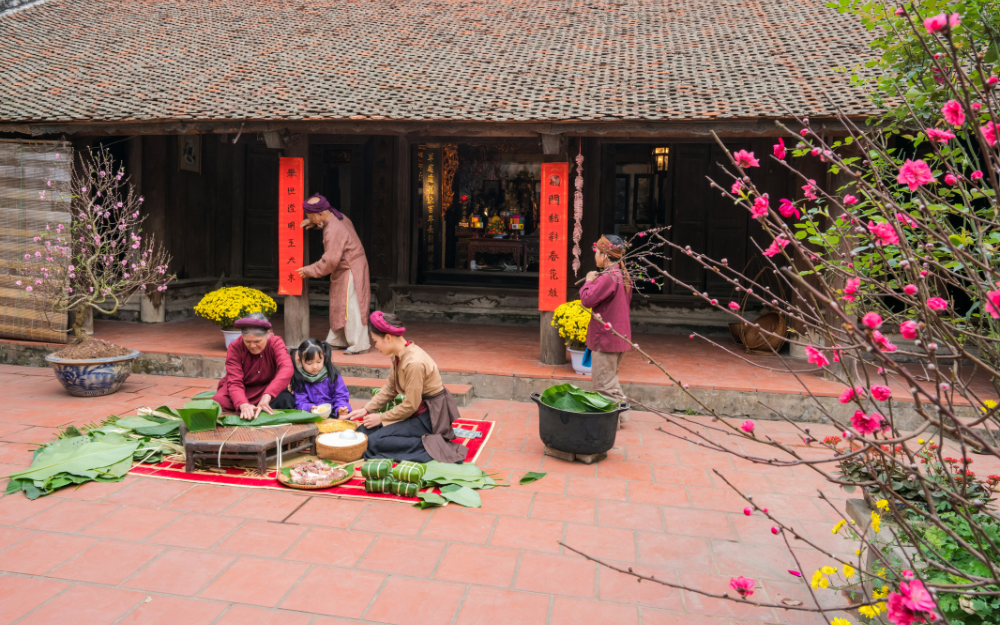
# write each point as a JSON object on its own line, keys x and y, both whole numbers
{"x": 419, "y": 428}
{"x": 317, "y": 381}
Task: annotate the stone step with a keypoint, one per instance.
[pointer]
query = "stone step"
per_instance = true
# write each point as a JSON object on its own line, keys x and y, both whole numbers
{"x": 361, "y": 388}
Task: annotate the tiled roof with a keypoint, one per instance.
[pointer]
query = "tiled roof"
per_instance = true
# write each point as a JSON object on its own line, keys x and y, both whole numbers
{"x": 497, "y": 60}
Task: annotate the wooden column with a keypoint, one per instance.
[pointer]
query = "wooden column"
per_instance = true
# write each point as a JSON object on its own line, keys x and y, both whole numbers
{"x": 297, "y": 306}
{"x": 552, "y": 349}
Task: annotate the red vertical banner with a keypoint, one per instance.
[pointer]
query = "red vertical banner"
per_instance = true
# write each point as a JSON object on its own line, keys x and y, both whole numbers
{"x": 291, "y": 195}
{"x": 554, "y": 203}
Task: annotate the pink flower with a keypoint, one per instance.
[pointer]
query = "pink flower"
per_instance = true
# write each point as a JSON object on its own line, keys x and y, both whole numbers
{"x": 937, "y": 304}
{"x": 950, "y": 179}
{"x": 804, "y": 132}
{"x": 747, "y": 426}
{"x": 816, "y": 357}
{"x": 909, "y": 328}
{"x": 850, "y": 200}
{"x": 779, "y": 150}
{"x": 883, "y": 342}
{"x": 748, "y": 511}
{"x": 850, "y": 393}
{"x": 953, "y": 113}
{"x": 910, "y": 289}
{"x": 851, "y": 288}
{"x": 787, "y": 209}
{"x": 810, "y": 189}
{"x": 607, "y": 326}
{"x": 795, "y": 573}
{"x": 884, "y": 232}
{"x": 866, "y": 424}
{"x": 742, "y": 585}
{"x": 936, "y": 23}
{"x": 745, "y": 159}
{"x": 906, "y": 219}
{"x": 814, "y": 151}
{"x": 941, "y": 136}
{"x": 27, "y": 288}
{"x": 881, "y": 393}
{"x": 734, "y": 306}
{"x": 774, "y": 531}
{"x": 992, "y": 80}
{"x": 759, "y": 207}
{"x": 914, "y": 173}
{"x": 912, "y": 604}
{"x": 976, "y": 175}
{"x": 976, "y": 106}
{"x": 990, "y": 132}
{"x": 993, "y": 304}
{"x": 714, "y": 302}
{"x": 954, "y": 20}
{"x": 18, "y": 283}
{"x": 737, "y": 185}
{"x": 776, "y": 246}
{"x": 872, "y": 320}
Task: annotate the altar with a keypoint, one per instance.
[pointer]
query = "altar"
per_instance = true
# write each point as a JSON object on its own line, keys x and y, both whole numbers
{"x": 517, "y": 247}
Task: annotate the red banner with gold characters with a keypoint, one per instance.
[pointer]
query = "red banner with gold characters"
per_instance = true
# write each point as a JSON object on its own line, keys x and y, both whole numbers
{"x": 291, "y": 191}
{"x": 554, "y": 203}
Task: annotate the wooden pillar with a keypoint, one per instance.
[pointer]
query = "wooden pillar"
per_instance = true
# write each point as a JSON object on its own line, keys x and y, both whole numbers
{"x": 297, "y": 306}
{"x": 552, "y": 349}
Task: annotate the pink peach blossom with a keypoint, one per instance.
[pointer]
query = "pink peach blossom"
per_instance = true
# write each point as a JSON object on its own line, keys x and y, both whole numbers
{"x": 937, "y": 304}
{"x": 850, "y": 200}
{"x": 881, "y": 393}
{"x": 936, "y": 23}
{"x": 909, "y": 328}
{"x": 914, "y": 173}
{"x": 990, "y": 132}
{"x": 737, "y": 186}
{"x": 976, "y": 175}
{"x": 742, "y": 585}
{"x": 993, "y": 304}
{"x": 795, "y": 573}
{"x": 872, "y": 320}
{"x": 906, "y": 219}
{"x": 776, "y": 246}
{"x": 810, "y": 189}
{"x": 787, "y": 209}
{"x": 745, "y": 159}
{"x": 850, "y": 393}
{"x": 816, "y": 357}
{"x": 910, "y": 289}
{"x": 941, "y": 136}
{"x": 992, "y": 80}
{"x": 851, "y": 288}
{"x": 759, "y": 207}
{"x": 748, "y": 511}
{"x": 775, "y": 530}
{"x": 779, "y": 150}
{"x": 884, "y": 232}
{"x": 950, "y": 179}
{"x": 912, "y": 604}
{"x": 734, "y": 306}
{"x": 883, "y": 342}
{"x": 747, "y": 426}
{"x": 953, "y": 113}
{"x": 866, "y": 424}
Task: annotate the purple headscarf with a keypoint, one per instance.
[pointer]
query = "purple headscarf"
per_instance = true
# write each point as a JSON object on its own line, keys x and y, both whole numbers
{"x": 319, "y": 207}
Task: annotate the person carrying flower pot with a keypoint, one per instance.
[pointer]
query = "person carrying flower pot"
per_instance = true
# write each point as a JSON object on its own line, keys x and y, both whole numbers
{"x": 608, "y": 294}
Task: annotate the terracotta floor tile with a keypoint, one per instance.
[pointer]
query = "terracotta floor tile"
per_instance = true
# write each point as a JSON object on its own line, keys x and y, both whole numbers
{"x": 569, "y": 576}
{"x": 69, "y": 516}
{"x": 472, "y": 564}
{"x": 515, "y": 460}
{"x": 148, "y": 492}
{"x": 130, "y": 523}
{"x": 20, "y": 595}
{"x": 566, "y": 611}
{"x": 10, "y": 535}
{"x": 555, "y": 465}
{"x": 622, "y": 588}
{"x": 391, "y": 518}
{"x": 676, "y": 552}
{"x": 16, "y": 508}
{"x": 167, "y": 610}
{"x": 601, "y": 542}
{"x": 85, "y": 603}
{"x": 597, "y": 487}
{"x": 504, "y": 501}
{"x": 416, "y": 602}
{"x": 708, "y": 606}
{"x": 530, "y": 534}
{"x": 452, "y": 523}
{"x": 93, "y": 491}
{"x": 354, "y": 593}
{"x": 180, "y": 572}
{"x": 552, "y": 484}
{"x": 108, "y": 562}
{"x": 625, "y": 470}
{"x": 561, "y": 508}
{"x": 244, "y": 614}
{"x": 687, "y": 476}
{"x": 634, "y": 516}
{"x": 266, "y": 506}
{"x": 205, "y": 499}
{"x": 717, "y": 499}
{"x": 338, "y": 547}
{"x": 489, "y": 606}
{"x": 42, "y": 552}
{"x": 759, "y": 561}
{"x": 255, "y": 581}
{"x": 698, "y": 523}
{"x": 413, "y": 557}
{"x": 329, "y": 512}
{"x": 663, "y": 617}
{"x": 658, "y": 494}
{"x": 195, "y": 531}
{"x": 261, "y": 538}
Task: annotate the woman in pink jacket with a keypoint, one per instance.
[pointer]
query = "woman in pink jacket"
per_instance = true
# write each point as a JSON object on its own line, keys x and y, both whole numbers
{"x": 608, "y": 294}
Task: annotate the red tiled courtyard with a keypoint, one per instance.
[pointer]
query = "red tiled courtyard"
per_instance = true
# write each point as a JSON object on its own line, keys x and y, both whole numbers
{"x": 155, "y": 551}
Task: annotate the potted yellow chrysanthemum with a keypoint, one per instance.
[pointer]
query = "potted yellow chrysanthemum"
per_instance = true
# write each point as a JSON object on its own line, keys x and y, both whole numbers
{"x": 225, "y": 306}
{"x": 572, "y": 320}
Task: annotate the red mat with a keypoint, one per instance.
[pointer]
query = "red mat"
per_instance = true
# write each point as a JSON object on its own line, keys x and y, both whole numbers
{"x": 247, "y": 476}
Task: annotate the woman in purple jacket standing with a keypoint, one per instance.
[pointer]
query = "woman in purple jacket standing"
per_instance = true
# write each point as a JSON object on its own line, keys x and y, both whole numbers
{"x": 317, "y": 381}
{"x": 608, "y": 294}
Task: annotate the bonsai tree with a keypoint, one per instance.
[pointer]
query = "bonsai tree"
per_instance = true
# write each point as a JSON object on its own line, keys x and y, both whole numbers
{"x": 102, "y": 257}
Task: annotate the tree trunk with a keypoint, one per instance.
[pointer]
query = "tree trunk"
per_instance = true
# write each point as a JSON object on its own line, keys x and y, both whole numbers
{"x": 83, "y": 323}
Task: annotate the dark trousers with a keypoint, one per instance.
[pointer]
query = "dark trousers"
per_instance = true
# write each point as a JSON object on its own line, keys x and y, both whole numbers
{"x": 284, "y": 401}
{"x": 399, "y": 441}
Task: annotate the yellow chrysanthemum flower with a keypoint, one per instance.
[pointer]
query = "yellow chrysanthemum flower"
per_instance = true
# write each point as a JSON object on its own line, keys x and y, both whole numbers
{"x": 883, "y": 592}
{"x": 921, "y": 441}
{"x": 989, "y": 404}
{"x": 816, "y": 579}
{"x": 848, "y": 570}
{"x": 869, "y": 611}
{"x": 876, "y": 522}
{"x": 836, "y": 528}
{"x": 829, "y": 570}
{"x": 840, "y": 621}
{"x": 224, "y": 306}
{"x": 882, "y": 504}
{"x": 572, "y": 321}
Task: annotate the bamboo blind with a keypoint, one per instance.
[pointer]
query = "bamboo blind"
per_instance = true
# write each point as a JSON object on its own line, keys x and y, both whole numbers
{"x": 25, "y": 169}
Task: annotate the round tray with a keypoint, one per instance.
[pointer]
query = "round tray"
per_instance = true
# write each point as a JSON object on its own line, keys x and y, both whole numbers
{"x": 286, "y": 482}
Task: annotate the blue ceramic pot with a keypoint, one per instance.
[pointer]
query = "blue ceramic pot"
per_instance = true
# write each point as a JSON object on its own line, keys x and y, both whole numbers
{"x": 94, "y": 377}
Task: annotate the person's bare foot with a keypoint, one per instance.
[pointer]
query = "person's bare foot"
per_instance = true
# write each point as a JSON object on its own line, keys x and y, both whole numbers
{"x": 348, "y": 352}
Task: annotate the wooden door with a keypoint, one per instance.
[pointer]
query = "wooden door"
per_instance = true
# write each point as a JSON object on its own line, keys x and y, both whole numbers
{"x": 691, "y": 200}
{"x": 260, "y": 242}
{"x": 727, "y": 224}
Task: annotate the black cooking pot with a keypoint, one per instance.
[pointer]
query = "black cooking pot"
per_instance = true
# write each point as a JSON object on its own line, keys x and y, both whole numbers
{"x": 585, "y": 433}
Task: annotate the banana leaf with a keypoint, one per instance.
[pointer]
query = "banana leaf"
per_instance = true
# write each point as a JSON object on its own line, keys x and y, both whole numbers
{"x": 571, "y": 398}
{"x": 430, "y": 500}
{"x": 205, "y": 395}
{"x": 134, "y": 422}
{"x": 462, "y": 495}
{"x": 198, "y": 416}
{"x": 531, "y": 476}
{"x": 280, "y": 417}
{"x": 160, "y": 430}
{"x": 82, "y": 458}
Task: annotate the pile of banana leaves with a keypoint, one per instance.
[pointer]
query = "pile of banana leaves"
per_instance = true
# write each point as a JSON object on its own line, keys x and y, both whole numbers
{"x": 457, "y": 483}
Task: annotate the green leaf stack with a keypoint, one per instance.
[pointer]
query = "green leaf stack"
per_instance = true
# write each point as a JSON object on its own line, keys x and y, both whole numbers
{"x": 574, "y": 399}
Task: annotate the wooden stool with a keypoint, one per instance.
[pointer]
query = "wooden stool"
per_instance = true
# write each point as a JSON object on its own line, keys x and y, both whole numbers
{"x": 247, "y": 443}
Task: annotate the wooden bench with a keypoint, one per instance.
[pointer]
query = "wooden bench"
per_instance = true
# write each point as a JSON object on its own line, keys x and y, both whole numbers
{"x": 247, "y": 443}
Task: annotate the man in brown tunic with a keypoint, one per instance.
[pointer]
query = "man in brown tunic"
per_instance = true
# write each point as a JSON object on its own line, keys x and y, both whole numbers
{"x": 344, "y": 260}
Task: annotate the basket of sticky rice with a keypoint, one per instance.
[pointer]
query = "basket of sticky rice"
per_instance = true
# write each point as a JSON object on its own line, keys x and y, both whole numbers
{"x": 336, "y": 425}
{"x": 344, "y": 446}
{"x": 315, "y": 474}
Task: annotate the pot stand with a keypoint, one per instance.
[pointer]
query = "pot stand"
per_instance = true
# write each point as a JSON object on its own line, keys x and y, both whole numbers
{"x": 568, "y": 457}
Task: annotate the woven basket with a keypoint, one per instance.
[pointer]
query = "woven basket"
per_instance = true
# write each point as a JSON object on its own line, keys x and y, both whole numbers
{"x": 287, "y": 482}
{"x": 755, "y": 342}
{"x": 336, "y": 425}
{"x": 349, "y": 453}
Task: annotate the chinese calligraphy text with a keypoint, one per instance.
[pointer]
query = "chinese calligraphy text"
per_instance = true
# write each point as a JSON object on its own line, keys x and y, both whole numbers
{"x": 552, "y": 274}
{"x": 290, "y": 212}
